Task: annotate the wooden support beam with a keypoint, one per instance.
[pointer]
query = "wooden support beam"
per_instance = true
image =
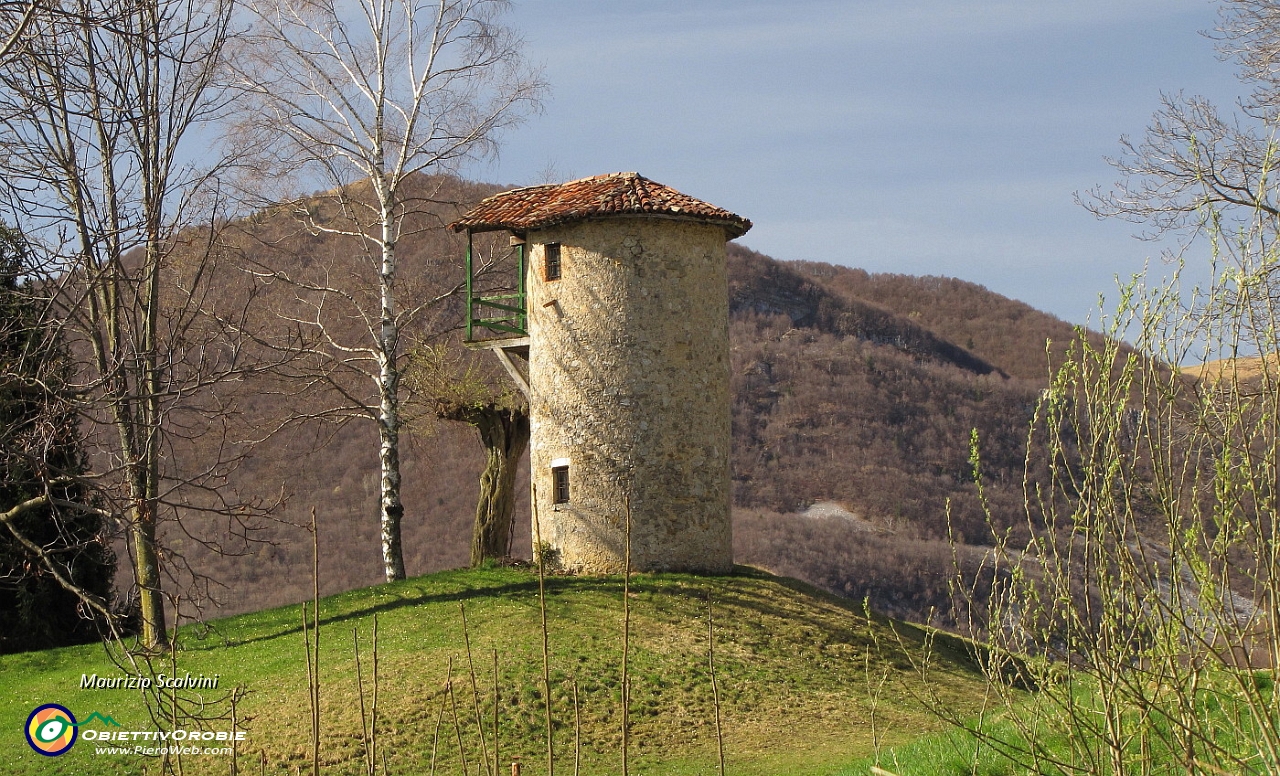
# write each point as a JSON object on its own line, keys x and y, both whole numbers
{"x": 516, "y": 377}
{"x": 503, "y": 349}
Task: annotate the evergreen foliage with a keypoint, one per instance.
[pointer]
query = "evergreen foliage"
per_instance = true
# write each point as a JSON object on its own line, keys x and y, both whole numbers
{"x": 40, "y": 454}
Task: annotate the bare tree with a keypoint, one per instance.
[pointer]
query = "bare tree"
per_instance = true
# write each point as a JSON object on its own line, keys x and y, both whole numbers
{"x": 99, "y": 108}
{"x": 365, "y": 97}
{"x": 1197, "y": 170}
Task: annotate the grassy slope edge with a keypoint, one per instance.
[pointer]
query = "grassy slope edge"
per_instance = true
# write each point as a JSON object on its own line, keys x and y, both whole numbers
{"x": 799, "y": 674}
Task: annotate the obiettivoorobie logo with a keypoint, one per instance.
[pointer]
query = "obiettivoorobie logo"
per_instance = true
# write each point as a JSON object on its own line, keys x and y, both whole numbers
{"x": 51, "y": 730}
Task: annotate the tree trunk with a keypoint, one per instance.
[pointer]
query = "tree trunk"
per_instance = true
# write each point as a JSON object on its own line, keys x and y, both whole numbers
{"x": 505, "y": 435}
{"x": 154, "y": 633}
{"x": 392, "y": 509}
{"x": 388, "y": 380}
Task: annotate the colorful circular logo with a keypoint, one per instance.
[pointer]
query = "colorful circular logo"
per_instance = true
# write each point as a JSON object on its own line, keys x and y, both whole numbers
{"x": 51, "y": 729}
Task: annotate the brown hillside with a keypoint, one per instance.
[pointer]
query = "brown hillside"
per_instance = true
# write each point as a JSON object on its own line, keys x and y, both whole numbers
{"x": 854, "y": 398}
{"x": 1003, "y": 331}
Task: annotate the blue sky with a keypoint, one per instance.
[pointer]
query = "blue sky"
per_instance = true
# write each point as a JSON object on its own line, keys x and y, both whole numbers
{"x": 927, "y": 137}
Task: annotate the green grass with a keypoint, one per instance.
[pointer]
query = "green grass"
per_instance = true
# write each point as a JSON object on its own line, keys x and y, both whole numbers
{"x": 948, "y": 753}
{"x": 1225, "y": 737}
{"x": 798, "y": 672}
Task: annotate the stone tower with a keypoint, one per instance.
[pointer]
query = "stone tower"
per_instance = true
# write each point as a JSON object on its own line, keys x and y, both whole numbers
{"x": 622, "y": 313}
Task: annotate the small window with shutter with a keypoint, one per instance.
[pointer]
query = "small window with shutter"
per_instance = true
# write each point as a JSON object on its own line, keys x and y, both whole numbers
{"x": 560, "y": 484}
{"x": 551, "y": 261}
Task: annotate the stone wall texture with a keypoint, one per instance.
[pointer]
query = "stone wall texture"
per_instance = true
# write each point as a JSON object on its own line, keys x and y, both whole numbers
{"x": 629, "y": 374}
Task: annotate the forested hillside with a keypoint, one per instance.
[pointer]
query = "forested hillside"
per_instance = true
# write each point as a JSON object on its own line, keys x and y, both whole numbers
{"x": 852, "y": 393}
{"x": 855, "y": 395}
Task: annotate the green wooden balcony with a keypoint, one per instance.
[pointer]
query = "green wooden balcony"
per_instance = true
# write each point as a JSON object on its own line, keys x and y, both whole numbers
{"x": 504, "y": 314}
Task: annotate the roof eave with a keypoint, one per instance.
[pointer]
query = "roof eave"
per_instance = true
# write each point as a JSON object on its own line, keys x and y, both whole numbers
{"x": 733, "y": 228}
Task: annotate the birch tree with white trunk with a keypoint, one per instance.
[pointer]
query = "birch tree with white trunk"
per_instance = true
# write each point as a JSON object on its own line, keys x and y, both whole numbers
{"x": 367, "y": 99}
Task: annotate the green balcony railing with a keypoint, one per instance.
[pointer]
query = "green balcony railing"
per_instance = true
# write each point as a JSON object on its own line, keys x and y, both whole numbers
{"x": 506, "y": 314}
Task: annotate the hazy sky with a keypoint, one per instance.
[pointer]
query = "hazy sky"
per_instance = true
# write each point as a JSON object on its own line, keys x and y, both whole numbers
{"x": 927, "y": 137}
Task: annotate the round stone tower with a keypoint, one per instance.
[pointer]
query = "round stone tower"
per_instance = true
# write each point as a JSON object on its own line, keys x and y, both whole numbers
{"x": 626, "y": 308}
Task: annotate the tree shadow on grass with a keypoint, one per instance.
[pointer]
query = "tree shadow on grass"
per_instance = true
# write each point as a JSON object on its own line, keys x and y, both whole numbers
{"x": 724, "y": 591}
{"x": 400, "y": 598}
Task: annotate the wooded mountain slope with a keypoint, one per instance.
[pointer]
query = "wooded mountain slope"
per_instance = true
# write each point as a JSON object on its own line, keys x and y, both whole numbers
{"x": 854, "y": 398}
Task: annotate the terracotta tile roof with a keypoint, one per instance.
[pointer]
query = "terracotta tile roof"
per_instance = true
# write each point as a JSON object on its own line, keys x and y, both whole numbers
{"x": 617, "y": 194}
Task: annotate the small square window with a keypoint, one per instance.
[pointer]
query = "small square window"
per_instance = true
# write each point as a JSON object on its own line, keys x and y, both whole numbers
{"x": 551, "y": 261}
{"x": 560, "y": 485}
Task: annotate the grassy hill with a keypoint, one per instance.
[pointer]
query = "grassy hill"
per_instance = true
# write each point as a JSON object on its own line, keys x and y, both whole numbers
{"x": 850, "y": 388}
{"x": 808, "y": 684}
